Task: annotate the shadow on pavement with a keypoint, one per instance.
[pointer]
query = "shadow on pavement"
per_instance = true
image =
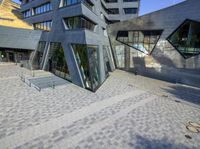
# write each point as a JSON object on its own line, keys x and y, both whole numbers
{"x": 163, "y": 143}
{"x": 185, "y": 93}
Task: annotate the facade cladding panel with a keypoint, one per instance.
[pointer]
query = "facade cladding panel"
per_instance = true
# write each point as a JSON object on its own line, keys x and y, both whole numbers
{"x": 77, "y": 30}
{"x": 175, "y": 56}
{"x": 16, "y": 38}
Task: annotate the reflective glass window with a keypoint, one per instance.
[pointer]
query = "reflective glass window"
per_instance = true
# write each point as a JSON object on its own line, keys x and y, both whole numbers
{"x": 38, "y": 55}
{"x": 87, "y": 59}
{"x": 143, "y": 41}
{"x": 79, "y": 22}
{"x": 186, "y": 38}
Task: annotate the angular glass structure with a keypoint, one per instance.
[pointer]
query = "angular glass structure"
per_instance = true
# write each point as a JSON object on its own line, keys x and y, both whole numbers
{"x": 86, "y": 56}
{"x": 106, "y": 60}
{"x": 38, "y": 55}
{"x": 186, "y": 38}
{"x": 119, "y": 51}
{"x": 144, "y": 40}
{"x": 57, "y": 63}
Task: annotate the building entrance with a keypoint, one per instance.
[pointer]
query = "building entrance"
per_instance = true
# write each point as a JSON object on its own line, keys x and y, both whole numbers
{"x": 11, "y": 57}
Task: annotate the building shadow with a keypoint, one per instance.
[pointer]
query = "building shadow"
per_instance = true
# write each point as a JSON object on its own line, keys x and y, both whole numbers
{"x": 185, "y": 93}
{"x": 163, "y": 143}
{"x": 167, "y": 70}
{"x": 161, "y": 73}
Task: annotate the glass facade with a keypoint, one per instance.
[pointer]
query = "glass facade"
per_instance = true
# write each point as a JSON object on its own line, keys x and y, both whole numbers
{"x": 43, "y": 25}
{"x": 57, "y": 63}
{"x": 130, "y": 10}
{"x": 38, "y": 55}
{"x": 87, "y": 59}
{"x": 143, "y": 41}
{"x": 3, "y": 56}
{"x": 26, "y": 13}
{"x": 106, "y": 56}
{"x": 79, "y": 22}
{"x": 88, "y": 3}
{"x": 119, "y": 51}
{"x": 186, "y": 39}
{"x": 43, "y": 8}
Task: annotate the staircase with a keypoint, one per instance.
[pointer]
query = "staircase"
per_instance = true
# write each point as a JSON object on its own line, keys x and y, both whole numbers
{"x": 40, "y": 79}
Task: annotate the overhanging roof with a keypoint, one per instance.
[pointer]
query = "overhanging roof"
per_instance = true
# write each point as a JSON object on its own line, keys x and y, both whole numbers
{"x": 16, "y": 38}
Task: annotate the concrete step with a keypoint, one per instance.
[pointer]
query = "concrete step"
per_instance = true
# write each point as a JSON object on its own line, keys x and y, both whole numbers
{"x": 44, "y": 80}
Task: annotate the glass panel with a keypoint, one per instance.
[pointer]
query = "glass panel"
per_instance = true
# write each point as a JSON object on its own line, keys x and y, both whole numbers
{"x": 120, "y": 55}
{"x": 107, "y": 66}
{"x": 140, "y": 40}
{"x": 37, "y": 59}
{"x": 43, "y": 25}
{"x": 94, "y": 68}
{"x": 79, "y": 22}
{"x": 87, "y": 60}
{"x": 186, "y": 39}
{"x": 57, "y": 61}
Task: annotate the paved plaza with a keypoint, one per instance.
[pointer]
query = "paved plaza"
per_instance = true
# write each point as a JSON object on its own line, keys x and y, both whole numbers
{"x": 126, "y": 112}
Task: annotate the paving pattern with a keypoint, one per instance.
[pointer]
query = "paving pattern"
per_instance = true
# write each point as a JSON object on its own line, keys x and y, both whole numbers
{"x": 127, "y": 111}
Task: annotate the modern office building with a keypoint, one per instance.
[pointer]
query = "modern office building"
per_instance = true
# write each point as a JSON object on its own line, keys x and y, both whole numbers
{"x": 120, "y": 10}
{"x": 17, "y": 38}
{"x": 164, "y": 44}
{"x": 74, "y": 44}
{"x": 71, "y": 40}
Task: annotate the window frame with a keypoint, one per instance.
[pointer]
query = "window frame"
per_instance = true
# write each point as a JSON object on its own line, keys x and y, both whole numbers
{"x": 168, "y": 38}
{"x": 149, "y": 53}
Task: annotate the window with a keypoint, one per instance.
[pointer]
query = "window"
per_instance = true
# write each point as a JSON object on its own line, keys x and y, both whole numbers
{"x": 143, "y": 41}
{"x": 186, "y": 39}
{"x": 64, "y": 3}
{"x": 43, "y": 25}
{"x": 79, "y": 22}
{"x": 27, "y": 13}
{"x": 111, "y": 1}
{"x": 130, "y": 10}
{"x": 106, "y": 55}
{"x": 113, "y": 11}
{"x": 43, "y": 8}
{"x": 86, "y": 57}
{"x": 119, "y": 51}
{"x": 38, "y": 55}
{"x": 57, "y": 61}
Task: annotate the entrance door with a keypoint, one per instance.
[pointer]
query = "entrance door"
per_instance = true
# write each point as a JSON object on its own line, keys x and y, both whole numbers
{"x": 11, "y": 57}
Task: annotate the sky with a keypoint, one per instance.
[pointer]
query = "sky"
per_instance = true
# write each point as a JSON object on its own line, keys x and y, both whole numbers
{"x": 148, "y": 6}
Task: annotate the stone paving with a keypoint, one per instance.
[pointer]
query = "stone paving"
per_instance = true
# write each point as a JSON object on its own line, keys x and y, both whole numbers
{"x": 127, "y": 111}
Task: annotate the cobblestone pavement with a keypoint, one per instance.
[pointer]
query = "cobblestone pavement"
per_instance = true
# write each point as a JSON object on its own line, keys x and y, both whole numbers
{"x": 127, "y": 111}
